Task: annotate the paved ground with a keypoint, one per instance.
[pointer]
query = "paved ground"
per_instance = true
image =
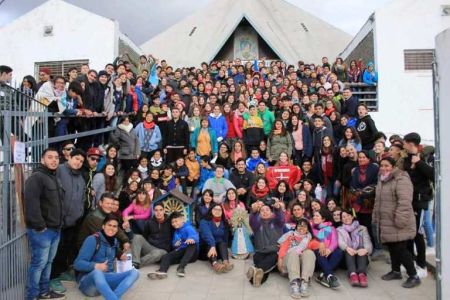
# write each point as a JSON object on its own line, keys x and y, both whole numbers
{"x": 201, "y": 283}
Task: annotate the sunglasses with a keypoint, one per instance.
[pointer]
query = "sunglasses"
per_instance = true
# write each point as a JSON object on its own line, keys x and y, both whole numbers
{"x": 94, "y": 158}
{"x": 69, "y": 148}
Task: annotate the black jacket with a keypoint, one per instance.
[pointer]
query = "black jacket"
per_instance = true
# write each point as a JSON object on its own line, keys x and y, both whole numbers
{"x": 177, "y": 134}
{"x": 421, "y": 177}
{"x": 44, "y": 197}
{"x": 245, "y": 180}
{"x": 367, "y": 131}
{"x": 158, "y": 234}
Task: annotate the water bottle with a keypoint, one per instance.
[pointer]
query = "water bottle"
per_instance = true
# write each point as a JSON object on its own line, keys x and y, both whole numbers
{"x": 318, "y": 192}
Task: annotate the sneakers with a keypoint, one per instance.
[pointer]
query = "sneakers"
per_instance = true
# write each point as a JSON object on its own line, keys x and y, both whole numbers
{"x": 52, "y": 295}
{"x": 228, "y": 266}
{"x": 353, "y": 279}
{"x": 250, "y": 272}
{"x": 304, "y": 288}
{"x": 67, "y": 276}
{"x": 322, "y": 280}
{"x": 257, "y": 277}
{"x": 181, "y": 272}
{"x": 219, "y": 267}
{"x": 411, "y": 282}
{"x": 295, "y": 289}
{"x": 333, "y": 281}
{"x": 422, "y": 272}
{"x": 377, "y": 254}
{"x": 362, "y": 280}
{"x": 157, "y": 275}
{"x": 56, "y": 286}
{"x": 136, "y": 265}
{"x": 392, "y": 275}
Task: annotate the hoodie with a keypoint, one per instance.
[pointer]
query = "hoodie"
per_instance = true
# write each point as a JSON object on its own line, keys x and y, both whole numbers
{"x": 219, "y": 124}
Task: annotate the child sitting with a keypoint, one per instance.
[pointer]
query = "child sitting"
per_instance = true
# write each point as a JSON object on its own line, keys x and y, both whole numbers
{"x": 254, "y": 160}
{"x": 185, "y": 244}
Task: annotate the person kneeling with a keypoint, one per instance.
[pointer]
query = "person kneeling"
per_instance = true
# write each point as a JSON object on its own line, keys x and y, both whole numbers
{"x": 95, "y": 262}
{"x": 267, "y": 229}
{"x": 295, "y": 253}
{"x": 354, "y": 240}
{"x": 185, "y": 243}
{"x": 214, "y": 232}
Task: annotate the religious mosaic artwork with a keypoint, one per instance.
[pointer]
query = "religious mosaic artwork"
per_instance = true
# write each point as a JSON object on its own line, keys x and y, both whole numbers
{"x": 245, "y": 43}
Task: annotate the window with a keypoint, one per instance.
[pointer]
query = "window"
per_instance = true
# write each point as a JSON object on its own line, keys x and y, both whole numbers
{"x": 418, "y": 60}
{"x": 59, "y": 68}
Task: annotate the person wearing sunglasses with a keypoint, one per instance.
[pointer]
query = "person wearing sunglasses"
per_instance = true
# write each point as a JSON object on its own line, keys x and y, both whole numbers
{"x": 89, "y": 171}
{"x": 66, "y": 148}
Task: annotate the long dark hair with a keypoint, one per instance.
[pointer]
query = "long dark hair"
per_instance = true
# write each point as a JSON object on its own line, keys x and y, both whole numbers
{"x": 209, "y": 216}
{"x": 283, "y": 128}
{"x": 110, "y": 181}
{"x": 32, "y": 82}
{"x": 226, "y": 202}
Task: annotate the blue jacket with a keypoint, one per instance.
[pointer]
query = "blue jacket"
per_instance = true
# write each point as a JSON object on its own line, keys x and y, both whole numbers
{"x": 252, "y": 163}
{"x": 205, "y": 174}
{"x": 185, "y": 232}
{"x": 212, "y": 135}
{"x": 307, "y": 142}
{"x": 219, "y": 124}
{"x": 154, "y": 140}
{"x": 70, "y": 105}
{"x": 368, "y": 77}
{"x": 210, "y": 234}
{"x": 89, "y": 256}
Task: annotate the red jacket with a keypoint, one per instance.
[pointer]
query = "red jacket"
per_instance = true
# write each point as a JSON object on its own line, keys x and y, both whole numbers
{"x": 291, "y": 174}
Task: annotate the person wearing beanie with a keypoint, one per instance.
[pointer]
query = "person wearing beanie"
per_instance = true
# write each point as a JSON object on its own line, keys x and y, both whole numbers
{"x": 44, "y": 76}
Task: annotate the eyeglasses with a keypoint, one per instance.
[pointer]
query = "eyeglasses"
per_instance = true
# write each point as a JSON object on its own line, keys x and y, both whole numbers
{"x": 94, "y": 158}
{"x": 69, "y": 148}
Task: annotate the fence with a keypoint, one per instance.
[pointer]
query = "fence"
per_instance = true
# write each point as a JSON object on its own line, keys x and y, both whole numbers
{"x": 366, "y": 94}
{"x": 24, "y": 127}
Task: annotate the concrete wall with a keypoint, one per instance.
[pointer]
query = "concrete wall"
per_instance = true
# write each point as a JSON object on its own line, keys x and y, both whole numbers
{"x": 77, "y": 34}
{"x": 364, "y": 51}
{"x": 406, "y": 96}
{"x": 443, "y": 61}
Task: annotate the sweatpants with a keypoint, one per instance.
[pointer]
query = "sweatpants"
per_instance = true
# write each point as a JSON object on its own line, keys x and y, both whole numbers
{"x": 400, "y": 255}
{"x": 182, "y": 256}
{"x": 356, "y": 263}
{"x": 145, "y": 253}
{"x": 300, "y": 266}
{"x": 419, "y": 240}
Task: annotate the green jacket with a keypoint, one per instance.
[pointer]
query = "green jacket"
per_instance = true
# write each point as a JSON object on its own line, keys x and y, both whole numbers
{"x": 278, "y": 144}
{"x": 267, "y": 117}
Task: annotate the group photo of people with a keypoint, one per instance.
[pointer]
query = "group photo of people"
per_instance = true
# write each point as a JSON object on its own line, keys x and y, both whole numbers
{"x": 284, "y": 166}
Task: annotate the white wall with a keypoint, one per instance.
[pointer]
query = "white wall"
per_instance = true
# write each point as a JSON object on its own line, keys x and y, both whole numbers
{"x": 78, "y": 34}
{"x": 443, "y": 61}
{"x": 405, "y": 97}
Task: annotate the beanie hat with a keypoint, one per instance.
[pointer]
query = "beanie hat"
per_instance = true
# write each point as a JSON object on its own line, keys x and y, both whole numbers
{"x": 45, "y": 70}
{"x": 412, "y": 137}
{"x": 103, "y": 72}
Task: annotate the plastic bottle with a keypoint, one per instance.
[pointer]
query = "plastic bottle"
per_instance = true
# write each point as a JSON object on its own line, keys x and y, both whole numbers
{"x": 318, "y": 192}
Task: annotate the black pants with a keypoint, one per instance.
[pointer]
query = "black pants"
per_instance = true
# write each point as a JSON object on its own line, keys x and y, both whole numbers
{"x": 366, "y": 220}
{"x": 356, "y": 264}
{"x": 401, "y": 256}
{"x": 298, "y": 157}
{"x": 221, "y": 249}
{"x": 173, "y": 154}
{"x": 66, "y": 253}
{"x": 183, "y": 257}
{"x": 265, "y": 261}
{"x": 419, "y": 240}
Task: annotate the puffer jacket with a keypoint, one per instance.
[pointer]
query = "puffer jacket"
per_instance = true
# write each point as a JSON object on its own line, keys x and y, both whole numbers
{"x": 393, "y": 212}
{"x": 127, "y": 141}
{"x": 279, "y": 143}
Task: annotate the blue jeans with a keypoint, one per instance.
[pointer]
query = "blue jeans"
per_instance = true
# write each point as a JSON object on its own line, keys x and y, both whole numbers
{"x": 43, "y": 247}
{"x": 428, "y": 226}
{"x": 110, "y": 285}
{"x": 330, "y": 263}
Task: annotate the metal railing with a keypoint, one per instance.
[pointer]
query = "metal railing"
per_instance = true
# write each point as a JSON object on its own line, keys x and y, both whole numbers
{"x": 24, "y": 122}
{"x": 367, "y": 94}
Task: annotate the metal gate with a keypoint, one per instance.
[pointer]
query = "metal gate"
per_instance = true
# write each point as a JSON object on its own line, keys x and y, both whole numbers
{"x": 16, "y": 109}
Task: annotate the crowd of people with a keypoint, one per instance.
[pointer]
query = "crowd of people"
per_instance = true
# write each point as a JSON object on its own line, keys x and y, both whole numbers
{"x": 284, "y": 164}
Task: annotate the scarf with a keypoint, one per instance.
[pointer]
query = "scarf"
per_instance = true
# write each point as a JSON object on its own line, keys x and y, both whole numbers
{"x": 362, "y": 173}
{"x": 109, "y": 239}
{"x": 126, "y": 128}
{"x": 216, "y": 219}
{"x": 156, "y": 163}
{"x": 323, "y": 231}
{"x": 260, "y": 193}
{"x": 352, "y": 236}
{"x": 166, "y": 180}
{"x": 147, "y": 125}
{"x": 385, "y": 177}
{"x": 294, "y": 242}
{"x": 142, "y": 169}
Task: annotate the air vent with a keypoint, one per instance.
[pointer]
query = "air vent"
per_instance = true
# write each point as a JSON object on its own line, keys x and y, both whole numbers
{"x": 304, "y": 27}
{"x": 192, "y": 31}
{"x": 445, "y": 10}
{"x": 48, "y": 30}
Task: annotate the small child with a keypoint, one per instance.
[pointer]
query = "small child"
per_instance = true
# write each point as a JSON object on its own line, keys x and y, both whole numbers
{"x": 185, "y": 243}
{"x": 254, "y": 160}
{"x": 168, "y": 181}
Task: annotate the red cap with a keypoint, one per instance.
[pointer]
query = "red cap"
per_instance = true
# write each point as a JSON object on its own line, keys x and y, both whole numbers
{"x": 94, "y": 151}
{"x": 45, "y": 70}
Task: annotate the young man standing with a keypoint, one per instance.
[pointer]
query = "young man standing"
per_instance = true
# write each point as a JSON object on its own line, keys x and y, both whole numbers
{"x": 44, "y": 196}
{"x": 176, "y": 143}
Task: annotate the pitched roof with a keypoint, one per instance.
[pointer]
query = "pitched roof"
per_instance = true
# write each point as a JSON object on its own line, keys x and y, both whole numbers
{"x": 292, "y": 33}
